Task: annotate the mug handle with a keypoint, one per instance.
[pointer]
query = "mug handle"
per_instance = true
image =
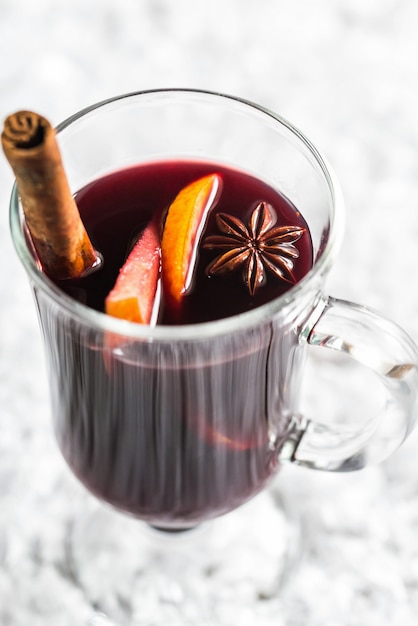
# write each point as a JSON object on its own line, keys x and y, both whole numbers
{"x": 390, "y": 353}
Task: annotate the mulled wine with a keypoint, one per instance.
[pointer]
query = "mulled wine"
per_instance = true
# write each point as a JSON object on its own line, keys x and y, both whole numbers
{"x": 116, "y": 208}
{"x": 173, "y": 434}
{"x": 185, "y": 412}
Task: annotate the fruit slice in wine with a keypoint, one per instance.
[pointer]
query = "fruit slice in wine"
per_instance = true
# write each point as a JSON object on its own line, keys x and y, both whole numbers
{"x": 133, "y": 296}
{"x": 183, "y": 227}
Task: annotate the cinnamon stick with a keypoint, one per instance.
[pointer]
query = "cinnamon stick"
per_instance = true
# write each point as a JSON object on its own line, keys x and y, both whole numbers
{"x": 58, "y": 234}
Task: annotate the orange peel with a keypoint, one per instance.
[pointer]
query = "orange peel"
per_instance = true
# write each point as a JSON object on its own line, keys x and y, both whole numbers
{"x": 183, "y": 228}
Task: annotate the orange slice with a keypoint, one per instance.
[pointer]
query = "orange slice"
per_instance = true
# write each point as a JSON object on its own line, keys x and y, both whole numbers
{"x": 232, "y": 442}
{"x": 133, "y": 296}
{"x": 183, "y": 227}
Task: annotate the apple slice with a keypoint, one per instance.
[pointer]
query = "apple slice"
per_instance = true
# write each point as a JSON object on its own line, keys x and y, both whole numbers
{"x": 183, "y": 228}
{"x": 133, "y": 295}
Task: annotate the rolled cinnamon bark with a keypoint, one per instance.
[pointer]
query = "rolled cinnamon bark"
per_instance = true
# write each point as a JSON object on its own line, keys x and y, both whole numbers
{"x": 58, "y": 234}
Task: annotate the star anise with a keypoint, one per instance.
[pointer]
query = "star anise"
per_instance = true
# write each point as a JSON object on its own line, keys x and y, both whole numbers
{"x": 256, "y": 247}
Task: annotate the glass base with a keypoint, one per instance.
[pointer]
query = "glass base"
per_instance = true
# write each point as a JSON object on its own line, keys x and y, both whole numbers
{"x": 134, "y": 574}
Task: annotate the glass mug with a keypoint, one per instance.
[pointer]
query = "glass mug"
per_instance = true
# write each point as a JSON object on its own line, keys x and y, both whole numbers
{"x": 177, "y": 425}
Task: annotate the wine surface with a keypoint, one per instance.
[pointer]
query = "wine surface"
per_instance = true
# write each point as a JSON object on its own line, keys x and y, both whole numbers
{"x": 116, "y": 208}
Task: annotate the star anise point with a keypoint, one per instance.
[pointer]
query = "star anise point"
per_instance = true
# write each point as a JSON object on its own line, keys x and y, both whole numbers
{"x": 257, "y": 247}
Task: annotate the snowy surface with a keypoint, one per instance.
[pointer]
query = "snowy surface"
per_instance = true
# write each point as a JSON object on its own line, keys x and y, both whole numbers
{"x": 345, "y": 73}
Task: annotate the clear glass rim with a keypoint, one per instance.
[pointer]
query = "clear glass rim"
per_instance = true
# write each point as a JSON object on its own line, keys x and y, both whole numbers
{"x": 223, "y": 326}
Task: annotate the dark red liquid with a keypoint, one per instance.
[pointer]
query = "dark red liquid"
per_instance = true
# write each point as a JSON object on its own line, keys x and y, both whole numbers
{"x": 174, "y": 433}
{"x": 116, "y": 208}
